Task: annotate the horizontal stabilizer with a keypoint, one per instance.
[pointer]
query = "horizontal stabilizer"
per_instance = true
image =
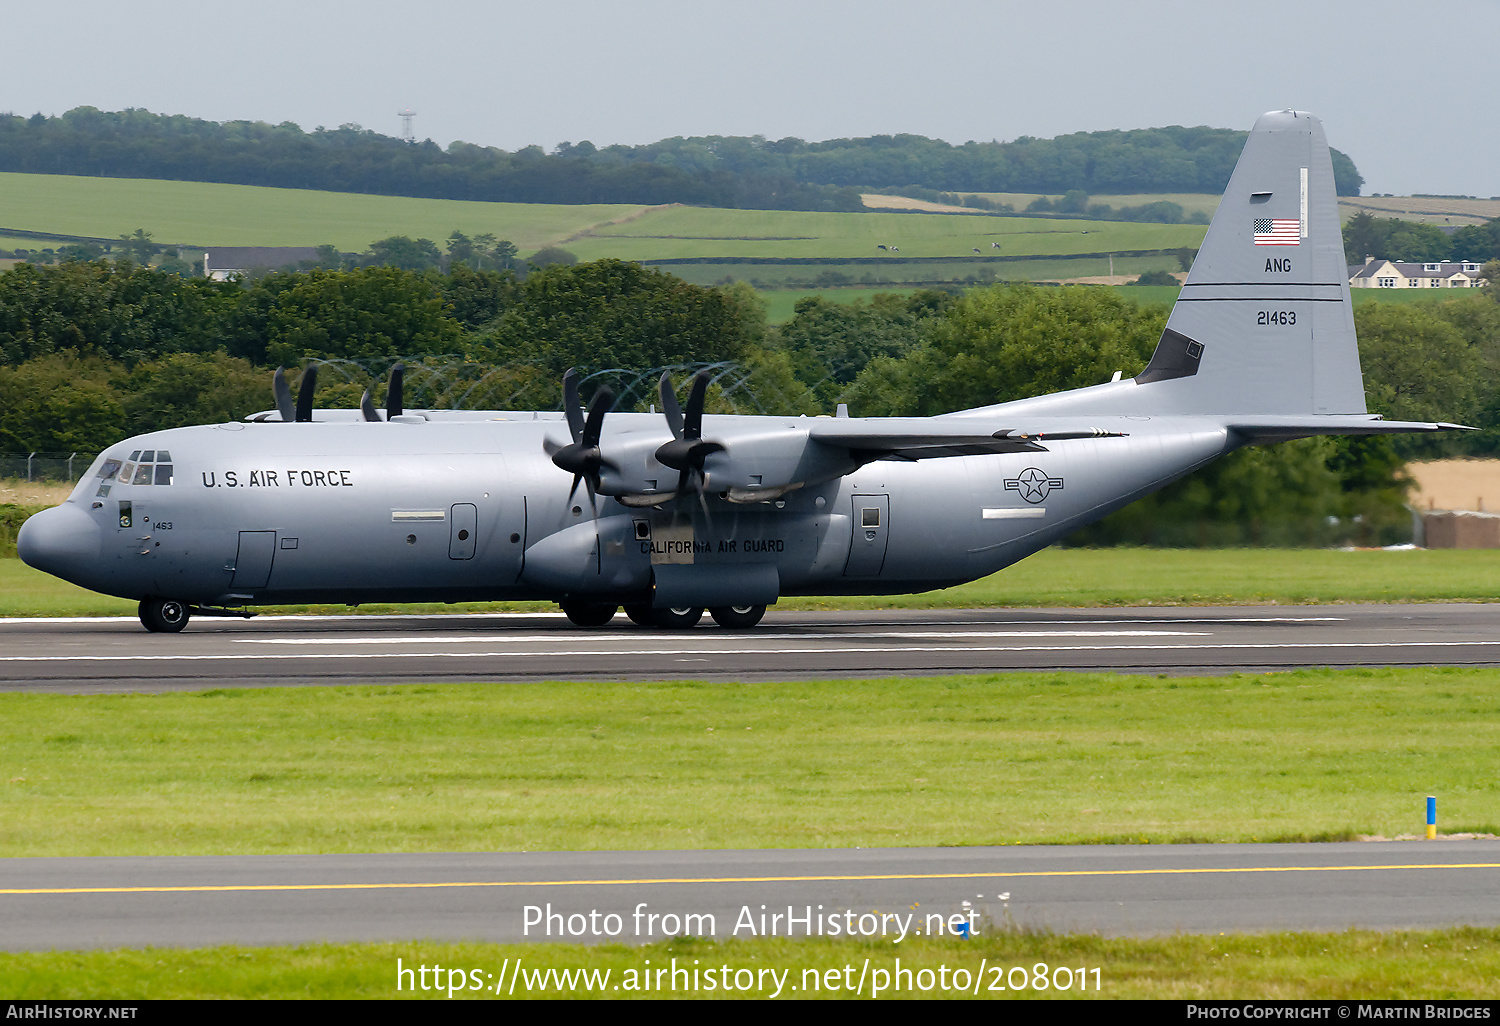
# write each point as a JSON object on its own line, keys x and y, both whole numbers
{"x": 1264, "y": 429}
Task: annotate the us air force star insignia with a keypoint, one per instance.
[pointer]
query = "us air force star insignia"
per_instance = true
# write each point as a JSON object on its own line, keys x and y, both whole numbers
{"x": 1033, "y": 484}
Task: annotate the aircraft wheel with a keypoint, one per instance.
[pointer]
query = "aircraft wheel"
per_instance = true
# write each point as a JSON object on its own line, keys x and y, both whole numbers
{"x": 737, "y": 617}
{"x": 165, "y": 616}
{"x": 677, "y": 619}
{"x": 588, "y": 614}
{"x": 640, "y": 615}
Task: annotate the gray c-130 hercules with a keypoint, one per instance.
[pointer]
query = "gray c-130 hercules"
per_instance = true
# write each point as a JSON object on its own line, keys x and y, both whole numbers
{"x": 684, "y": 510}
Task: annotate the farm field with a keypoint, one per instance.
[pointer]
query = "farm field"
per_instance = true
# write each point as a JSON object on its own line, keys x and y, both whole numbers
{"x": 693, "y": 232}
{"x": 1434, "y": 209}
{"x": 206, "y": 214}
{"x": 1431, "y": 209}
{"x": 1191, "y": 202}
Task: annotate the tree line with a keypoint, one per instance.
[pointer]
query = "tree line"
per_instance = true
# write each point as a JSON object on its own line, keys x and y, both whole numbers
{"x": 721, "y": 171}
{"x": 1390, "y": 238}
{"x": 91, "y": 352}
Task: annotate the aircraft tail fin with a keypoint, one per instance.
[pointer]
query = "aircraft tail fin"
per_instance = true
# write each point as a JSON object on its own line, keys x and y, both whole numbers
{"x": 1264, "y": 324}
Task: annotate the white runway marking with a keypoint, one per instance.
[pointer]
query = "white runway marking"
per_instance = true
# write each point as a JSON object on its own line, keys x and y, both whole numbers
{"x": 813, "y": 650}
{"x": 355, "y": 620}
{"x": 710, "y": 638}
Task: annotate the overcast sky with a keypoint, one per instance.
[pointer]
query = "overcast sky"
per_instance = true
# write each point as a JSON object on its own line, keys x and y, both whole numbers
{"x": 1404, "y": 88}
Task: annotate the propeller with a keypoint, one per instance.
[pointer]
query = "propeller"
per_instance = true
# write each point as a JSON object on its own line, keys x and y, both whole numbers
{"x": 687, "y": 450}
{"x": 582, "y": 457}
{"x": 305, "y": 390}
{"x": 283, "y": 393}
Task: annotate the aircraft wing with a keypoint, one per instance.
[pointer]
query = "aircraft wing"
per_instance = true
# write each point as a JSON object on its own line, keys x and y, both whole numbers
{"x": 917, "y": 438}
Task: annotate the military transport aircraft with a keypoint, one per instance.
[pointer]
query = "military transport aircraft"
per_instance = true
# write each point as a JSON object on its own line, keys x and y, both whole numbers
{"x": 671, "y": 513}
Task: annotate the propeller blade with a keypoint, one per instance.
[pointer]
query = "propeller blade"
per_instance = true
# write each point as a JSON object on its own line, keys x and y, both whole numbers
{"x": 692, "y": 419}
{"x": 367, "y": 408}
{"x": 572, "y": 405}
{"x": 283, "y": 393}
{"x": 669, "y": 405}
{"x": 604, "y": 400}
{"x": 393, "y": 389}
{"x": 305, "y": 391}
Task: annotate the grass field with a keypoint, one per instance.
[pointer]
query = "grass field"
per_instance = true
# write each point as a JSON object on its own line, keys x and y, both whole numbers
{"x": 1016, "y": 758}
{"x": 233, "y": 215}
{"x": 205, "y": 214}
{"x": 698, "y": 232}
{"x": 1356, "y": 965}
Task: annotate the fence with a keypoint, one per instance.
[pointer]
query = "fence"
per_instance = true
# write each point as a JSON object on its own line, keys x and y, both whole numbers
{"x": 58, "y": 467}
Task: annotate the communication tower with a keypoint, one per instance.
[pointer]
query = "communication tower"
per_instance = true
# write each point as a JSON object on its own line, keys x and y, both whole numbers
{"x": 406, "y": 116}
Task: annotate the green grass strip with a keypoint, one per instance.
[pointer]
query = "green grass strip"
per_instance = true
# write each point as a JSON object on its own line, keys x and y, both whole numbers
{"x": 1356, "y": 965}
{"x": 1019, "y": 758}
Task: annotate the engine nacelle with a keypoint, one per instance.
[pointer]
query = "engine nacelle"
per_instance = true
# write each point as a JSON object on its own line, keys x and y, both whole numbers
{"x": 599, "y": 557}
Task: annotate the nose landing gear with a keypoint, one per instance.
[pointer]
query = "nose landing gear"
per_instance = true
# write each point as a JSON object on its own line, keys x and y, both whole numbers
{"x": 161, "y": 615}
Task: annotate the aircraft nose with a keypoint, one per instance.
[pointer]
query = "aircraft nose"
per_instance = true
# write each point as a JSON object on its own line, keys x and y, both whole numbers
{"x": 62, "y": 541}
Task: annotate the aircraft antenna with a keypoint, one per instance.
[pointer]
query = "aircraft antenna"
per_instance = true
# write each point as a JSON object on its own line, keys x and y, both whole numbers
{"x": 406, "y": 132}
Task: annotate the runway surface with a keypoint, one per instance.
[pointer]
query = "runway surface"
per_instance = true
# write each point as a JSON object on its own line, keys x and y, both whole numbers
{"x": 103, "y": 655}
{"x": 108, "y": 902}
{"x": 1112, "y": 890}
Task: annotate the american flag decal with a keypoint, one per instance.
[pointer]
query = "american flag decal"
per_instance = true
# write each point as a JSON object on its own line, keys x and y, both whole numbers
{"x": 1276, "y": 231}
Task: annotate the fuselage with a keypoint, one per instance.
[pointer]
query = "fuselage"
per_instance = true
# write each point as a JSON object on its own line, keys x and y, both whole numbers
{"x": 431, "y": 510}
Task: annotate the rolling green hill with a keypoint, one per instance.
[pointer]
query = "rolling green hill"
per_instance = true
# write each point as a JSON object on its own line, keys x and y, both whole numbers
{"x": 203, "y": 214}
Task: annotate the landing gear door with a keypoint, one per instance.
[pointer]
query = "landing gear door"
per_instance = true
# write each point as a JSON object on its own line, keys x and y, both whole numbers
{"x": 252, "y": 565}
{"x": 868, "y": 541}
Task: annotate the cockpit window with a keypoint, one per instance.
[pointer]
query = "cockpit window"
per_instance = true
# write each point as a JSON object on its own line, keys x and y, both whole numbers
{"x": 100, "y": 473}
{"x": 155, "y": 467}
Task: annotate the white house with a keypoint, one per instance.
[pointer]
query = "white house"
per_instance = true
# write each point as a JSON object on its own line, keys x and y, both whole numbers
{"x": 1437, "y": 274}
{"x": 234, "y": 262}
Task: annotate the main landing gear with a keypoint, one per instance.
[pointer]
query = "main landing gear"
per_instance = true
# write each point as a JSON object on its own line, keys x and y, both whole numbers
{"x": 163, "y": 616}
{"x": 587, "y": 614}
